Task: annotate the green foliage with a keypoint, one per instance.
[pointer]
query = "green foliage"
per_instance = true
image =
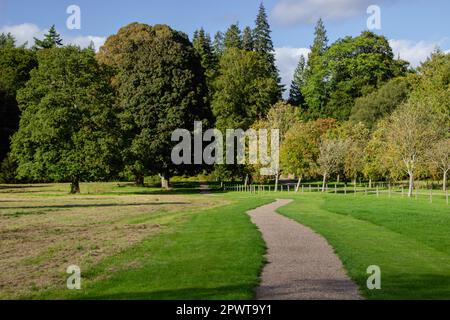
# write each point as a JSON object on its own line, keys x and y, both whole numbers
{"x": 218, "y": 45}
{"x": 244, "y": 90}
{"x": 314, "y": 83}
{"x": 300, "y": 150}
{"x": 15, "y": 67}
{"x": 7, "y": 41}
{"x": 161, "y": 87}
{"x": 380, "y": 103}
{"x": 350, "y": 68}
{"x": 233, "y": 37}
{"x": 8, "y": 170}
{"x": 52, "y": 39}
{"x": 202, "y": 44}
{"x": 262, "y": 43}
{"x": 67, "y": 126}
{"x": 296, "y": 97}
{"x": 247, "y": 39}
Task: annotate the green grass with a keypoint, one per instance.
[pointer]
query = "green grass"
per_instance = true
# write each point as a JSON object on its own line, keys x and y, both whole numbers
{"x": 408, "y": 239}
{"x": 213, "y": 254}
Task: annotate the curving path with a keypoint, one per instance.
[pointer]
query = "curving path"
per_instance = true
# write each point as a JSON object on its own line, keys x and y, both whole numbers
{"x": 301, "y": 264}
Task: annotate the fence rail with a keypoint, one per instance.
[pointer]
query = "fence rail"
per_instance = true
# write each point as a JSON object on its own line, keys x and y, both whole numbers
{"x": 378, "y": 189}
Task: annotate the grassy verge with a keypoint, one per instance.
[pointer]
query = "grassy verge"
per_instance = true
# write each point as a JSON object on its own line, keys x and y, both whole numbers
{"x": 212, "y": 254}
{"x": 408, "y": 239}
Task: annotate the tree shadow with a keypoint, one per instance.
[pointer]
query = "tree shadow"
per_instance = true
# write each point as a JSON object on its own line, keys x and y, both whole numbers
{"x": 66, "y": 206}
{"x": 221, "y": 292}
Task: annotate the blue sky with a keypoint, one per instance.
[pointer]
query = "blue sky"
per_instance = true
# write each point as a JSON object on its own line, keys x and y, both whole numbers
{"x": 414, "y": 27}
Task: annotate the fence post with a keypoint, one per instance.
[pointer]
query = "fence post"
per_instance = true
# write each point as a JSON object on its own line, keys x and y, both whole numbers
{"x": 389, "y": 186}
{"x": 378, "y": 194}
{"x": 345, "y": 189}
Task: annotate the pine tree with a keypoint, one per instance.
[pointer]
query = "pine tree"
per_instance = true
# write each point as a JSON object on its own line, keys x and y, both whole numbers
{"x": 320, "y": 43}
{"x": 247, "y": 39}
{"x": 295, "y": 95}
{"x": 263, "y": 44}
{"x": 7, "y": 41}
{"x": 314, "y": 86}
{"x": 202, "y": 44}
{"x": 233, "y": 37}
{"x": 218, "y": 45}
{"x": 51, "y": 40}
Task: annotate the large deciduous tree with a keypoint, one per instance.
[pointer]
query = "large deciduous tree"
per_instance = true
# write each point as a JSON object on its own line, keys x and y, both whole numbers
{"x": 67, "y": 129}
{"x": 244, "y": 90}
{"x": 15, "y": 67}
{"x": 161, "y": 87}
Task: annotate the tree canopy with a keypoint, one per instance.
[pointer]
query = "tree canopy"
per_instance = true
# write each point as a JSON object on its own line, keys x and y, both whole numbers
{"x": 67, "y": 130}
{"x": 161, "y": 87}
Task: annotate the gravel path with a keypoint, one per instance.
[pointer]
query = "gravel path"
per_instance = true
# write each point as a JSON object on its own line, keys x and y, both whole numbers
{"x": 301, "y": 264}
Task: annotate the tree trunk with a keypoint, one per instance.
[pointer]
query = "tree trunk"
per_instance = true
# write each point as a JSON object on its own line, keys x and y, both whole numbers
{"x": 411, "y": 184}
{"x": 165, "y": 181}
{"x": 246, "y": 181}
{"x": 324, "y": 181}
{"x": 298, "y": 183}
{"x": 338, "y": 177}
{"x": 444, "y": 182}
{"x": 75, "y": 186}
{"x": 354, "y": 181}
{"x": 139, "y": 180}
{"x": 370, "y": 182}
{"x": 276, "y": 182}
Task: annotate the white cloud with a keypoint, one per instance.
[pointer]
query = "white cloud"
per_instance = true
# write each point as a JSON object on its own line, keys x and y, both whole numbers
{"x": 26, "y": 32}
{"x": 85, "y": 41}
{"x": 290, "y": 12}
{"x": 287, "y": 60}
{"x": 414, "y": 52}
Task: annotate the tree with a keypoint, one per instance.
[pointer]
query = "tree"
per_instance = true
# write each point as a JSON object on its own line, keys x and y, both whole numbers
{"x": 202, "y": 44}
{"x": 357, "y": 137}
{"x": 15, "y": 67}
{"x": 247, "y": 39}
{"x": 314, "y": 87}
{"x": 439, "y": 157}
{"x": 161, "y": 87}
{"x": 218, "y": 45}
{"x": 7, "y": 41}
{"x": 296, "y": 97}
{"x": 355, "y": 67}
{"x": 67, "y": 129}
{"x": 244, "y": 91}
{"x": 281, "y": 116}
{"x": 233, "y": 37}
{"x": 411, "y": 129}
{"x": 262, "y": 43}
{"x": 331, "y": 158}
{"x": 51, "y": 39}
{"x": 300, "y": 148}
{"x": 380, "y": 103}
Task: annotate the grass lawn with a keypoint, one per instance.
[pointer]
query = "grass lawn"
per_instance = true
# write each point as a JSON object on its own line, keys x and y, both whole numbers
{"x": 143, "y": 243}
{"x": 408, "y": 239}
{"x": 130, "y": 243}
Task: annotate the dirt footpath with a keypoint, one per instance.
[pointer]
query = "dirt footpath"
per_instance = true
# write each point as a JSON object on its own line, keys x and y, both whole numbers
{"x": 301, "y": 264}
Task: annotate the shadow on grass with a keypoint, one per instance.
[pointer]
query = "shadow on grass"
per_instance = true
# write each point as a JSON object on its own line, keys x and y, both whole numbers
{"x": 65, "y": 206}
{"x": 176, "y": 294}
